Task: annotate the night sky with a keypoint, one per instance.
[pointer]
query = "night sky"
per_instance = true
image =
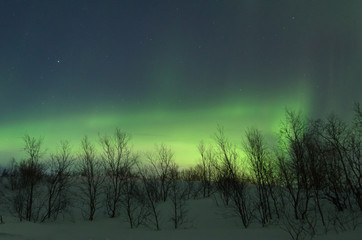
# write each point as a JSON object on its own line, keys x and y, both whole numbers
{"x": 170, "y": 71}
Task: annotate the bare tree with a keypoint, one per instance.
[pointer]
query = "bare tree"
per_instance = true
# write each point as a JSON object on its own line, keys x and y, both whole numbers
{"x": 57, "y": 181}
{"x": 24, "y": 181}
{"x": 23, "y": 187}
{"x": 293, "y": 163}
{"x": 354, "y": 156}
{"x": 316, "y": 166}
{"x": 13, "y": 192}
{"x": 335, "y": 135}
{"x": 151, "y": 186}
{"x": 92, "y": 178}
{"x": 31, "y": 171}
{"x": 227, "y": 165}
{"x": 231, "y": 181}
{"x": 118, "y": 161}
{"x": 207, "y": 168}
{"x": 134, "y": 202}
{"x": 162, "y": 162}
{"x": 178, "y": 195}
{"x": 256, "y": 153}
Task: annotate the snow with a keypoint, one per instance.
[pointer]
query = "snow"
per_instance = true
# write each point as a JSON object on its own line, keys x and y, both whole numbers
{"x": 206, "y": 221}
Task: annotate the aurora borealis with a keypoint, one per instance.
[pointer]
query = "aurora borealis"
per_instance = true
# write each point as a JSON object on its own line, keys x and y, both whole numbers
{"x": 170, "y": 71}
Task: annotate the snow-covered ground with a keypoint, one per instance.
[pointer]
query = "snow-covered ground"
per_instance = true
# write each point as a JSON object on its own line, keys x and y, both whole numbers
{"x": 206, "y": 221}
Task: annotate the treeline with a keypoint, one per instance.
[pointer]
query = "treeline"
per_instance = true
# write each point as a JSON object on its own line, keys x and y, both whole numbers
{"x": 113, "y": 180}
{"x": 310, "y": 179}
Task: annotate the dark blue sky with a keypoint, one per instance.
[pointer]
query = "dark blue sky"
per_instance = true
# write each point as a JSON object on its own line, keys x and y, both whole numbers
{"x": 76, "y": 51}
{"x": 83, "y": 56}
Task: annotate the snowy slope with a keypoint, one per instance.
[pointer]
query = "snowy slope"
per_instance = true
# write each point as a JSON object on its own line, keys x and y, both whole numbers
{"x": 206, "y": 221}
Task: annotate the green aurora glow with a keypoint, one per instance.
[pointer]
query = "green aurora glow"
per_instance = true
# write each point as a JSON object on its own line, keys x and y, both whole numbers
{"x": 171, "y": 71}
{"x": 180, "y": 129}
